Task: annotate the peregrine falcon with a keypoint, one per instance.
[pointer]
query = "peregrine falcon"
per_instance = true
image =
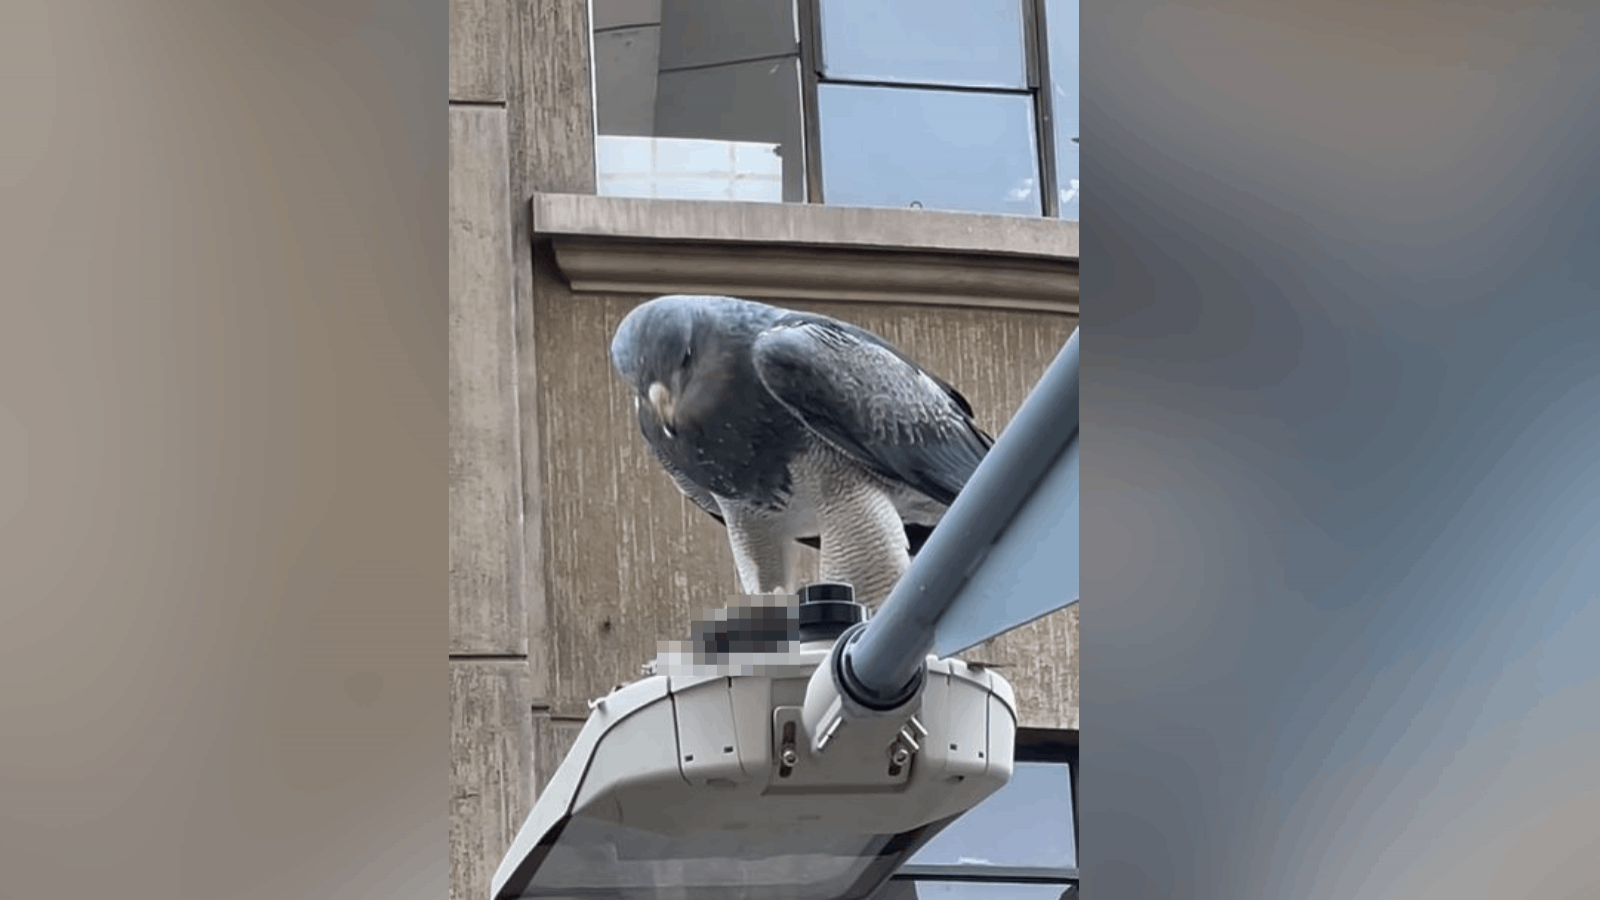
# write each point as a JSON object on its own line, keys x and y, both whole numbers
{"x": 791, "y": 427}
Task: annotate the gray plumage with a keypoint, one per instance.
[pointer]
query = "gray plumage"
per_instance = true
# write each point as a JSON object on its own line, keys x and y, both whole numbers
{"x": 788, "y": 426}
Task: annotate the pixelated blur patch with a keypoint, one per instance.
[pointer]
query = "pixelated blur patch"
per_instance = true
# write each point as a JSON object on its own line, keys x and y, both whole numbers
{"x": 752, "y": 635}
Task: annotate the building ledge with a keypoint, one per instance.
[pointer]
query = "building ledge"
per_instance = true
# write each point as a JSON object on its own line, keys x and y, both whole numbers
{"x": 793, "y": 251}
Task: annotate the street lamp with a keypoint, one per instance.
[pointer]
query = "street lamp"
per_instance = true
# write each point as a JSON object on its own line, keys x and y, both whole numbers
{"x": 816, "y": 755}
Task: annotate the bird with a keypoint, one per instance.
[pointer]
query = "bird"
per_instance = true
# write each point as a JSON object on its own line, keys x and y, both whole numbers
{"x": 795, "y": 428}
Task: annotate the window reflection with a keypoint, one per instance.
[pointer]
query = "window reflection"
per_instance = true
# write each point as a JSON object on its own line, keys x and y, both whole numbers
{"x": 626, "y": 63}
{"x": 688, "y": 169}
{"x": 1026, "y": 824}
{"x": 934, "y": 149}
{"x": 757, "y": 101}
{"x": 711, "y": 90}
{"x": 1039, "y": 794}
{"x": 960, "y": 133}
{"x": 976, "y": 43}
{"x": 708, "y": 32}
{"x": 1061, "y": 24}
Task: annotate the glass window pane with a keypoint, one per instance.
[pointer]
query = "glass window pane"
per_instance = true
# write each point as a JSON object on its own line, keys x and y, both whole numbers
{"x": 623, "y": 13}
{"x": 689, "y": 169}
{"x": 750, "y": 102}
{"x": 935, "y": 149}
{"x": 1026, "y": 823}
{"x": 706, "y": 32}
{"x": 986, "y": 890}
{"x": 625, "y": 64}
{"x": 1061, "y": 23}
{"x": 964, "y": 42}
{"x": 722, "y": 128}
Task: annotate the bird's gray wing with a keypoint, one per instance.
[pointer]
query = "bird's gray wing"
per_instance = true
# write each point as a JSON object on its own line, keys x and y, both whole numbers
{"x": 872, "y": 402}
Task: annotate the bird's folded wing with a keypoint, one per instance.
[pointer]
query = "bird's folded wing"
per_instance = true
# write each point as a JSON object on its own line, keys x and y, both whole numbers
{"x": 872, "y": 403}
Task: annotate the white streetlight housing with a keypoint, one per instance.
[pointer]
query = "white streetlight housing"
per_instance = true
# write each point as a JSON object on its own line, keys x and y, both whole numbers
{"x": 709, "y": 785}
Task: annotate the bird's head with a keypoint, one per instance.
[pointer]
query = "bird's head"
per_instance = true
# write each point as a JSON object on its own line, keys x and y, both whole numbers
{"x": 655, "y": 350}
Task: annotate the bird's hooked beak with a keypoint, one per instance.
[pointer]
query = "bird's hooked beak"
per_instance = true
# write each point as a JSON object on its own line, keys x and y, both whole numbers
{"x": 661, "y": 401}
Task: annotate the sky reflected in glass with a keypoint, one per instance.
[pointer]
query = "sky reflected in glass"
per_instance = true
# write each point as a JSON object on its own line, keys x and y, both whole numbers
{"x": 1026, "y": 823}
{"x": 977, "y": 43}
{"x": 1061, "y": 23}
{"x": 949, "y": 150}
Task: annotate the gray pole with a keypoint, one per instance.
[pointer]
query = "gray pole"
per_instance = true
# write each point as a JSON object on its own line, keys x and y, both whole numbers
{"x": 881, "y": 666}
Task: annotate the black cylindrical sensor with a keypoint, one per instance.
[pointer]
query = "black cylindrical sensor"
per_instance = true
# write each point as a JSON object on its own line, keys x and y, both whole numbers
{"x": 826, "y": 610}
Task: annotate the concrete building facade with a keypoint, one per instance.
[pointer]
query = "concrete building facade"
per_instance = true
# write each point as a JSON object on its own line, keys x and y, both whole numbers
{"x": 571, "y": 553}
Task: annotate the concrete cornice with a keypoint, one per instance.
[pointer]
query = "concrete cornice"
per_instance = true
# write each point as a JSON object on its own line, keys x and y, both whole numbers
{"x": 810, "y": 252}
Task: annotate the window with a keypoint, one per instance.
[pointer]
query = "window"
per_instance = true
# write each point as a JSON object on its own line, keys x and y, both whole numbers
{"x": 938, "y": 104}
{"x": 928, "y": 148}
{"x": 970, "y": 43}
{"x": 698, "y": 99}
{"x": 1020, "y": 844}
{"x": 927, "y": 103}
